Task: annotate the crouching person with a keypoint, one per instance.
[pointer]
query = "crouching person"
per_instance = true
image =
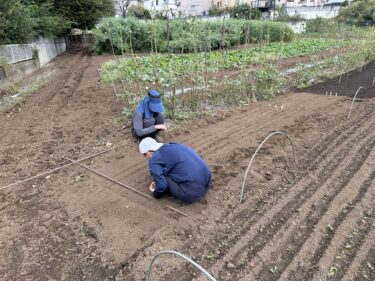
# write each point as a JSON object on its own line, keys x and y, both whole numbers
{"x": 176, "y": 170}
{"x": 148, "y": 119}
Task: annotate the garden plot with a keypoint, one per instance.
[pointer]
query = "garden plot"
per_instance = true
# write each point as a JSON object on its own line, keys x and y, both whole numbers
{"x": 297, "y": 222}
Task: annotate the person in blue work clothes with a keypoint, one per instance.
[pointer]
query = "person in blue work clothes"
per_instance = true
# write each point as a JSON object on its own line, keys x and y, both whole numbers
{"x": 148, "y": 119}
{"x": 176, "y": 170}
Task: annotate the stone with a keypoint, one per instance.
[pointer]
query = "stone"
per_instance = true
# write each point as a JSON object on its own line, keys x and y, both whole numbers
{"x": 230, "y": 265}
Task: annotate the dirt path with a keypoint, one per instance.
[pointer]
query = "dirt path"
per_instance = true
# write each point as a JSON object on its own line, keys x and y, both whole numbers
{"x": 297, "y": 218}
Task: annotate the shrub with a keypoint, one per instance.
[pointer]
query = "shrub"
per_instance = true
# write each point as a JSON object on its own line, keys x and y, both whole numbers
{"x": 215, "y": 11}
{"x": 139, "y": 12}
{"x": 361, "y": 12}
{"x": 244, "y": 11}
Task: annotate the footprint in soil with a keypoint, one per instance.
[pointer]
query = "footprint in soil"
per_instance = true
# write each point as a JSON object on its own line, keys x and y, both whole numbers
{"x": 57, "y": 133}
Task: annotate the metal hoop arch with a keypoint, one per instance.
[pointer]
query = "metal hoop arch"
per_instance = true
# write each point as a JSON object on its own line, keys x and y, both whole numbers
{"x": 351, "y": 106}
{"x": 205, "y": 272}
{"x": 255, "y": 153}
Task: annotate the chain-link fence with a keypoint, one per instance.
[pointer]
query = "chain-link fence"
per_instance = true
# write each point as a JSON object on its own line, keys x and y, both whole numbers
{"x": 16, "y": 52}
{"x": 42, "y": 48}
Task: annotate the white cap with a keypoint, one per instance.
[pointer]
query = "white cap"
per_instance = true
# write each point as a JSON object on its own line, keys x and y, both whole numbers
{"x": 149, "y": 144}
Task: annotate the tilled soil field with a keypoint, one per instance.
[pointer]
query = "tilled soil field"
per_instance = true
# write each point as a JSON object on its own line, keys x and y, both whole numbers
{"x": 312, "y": 219}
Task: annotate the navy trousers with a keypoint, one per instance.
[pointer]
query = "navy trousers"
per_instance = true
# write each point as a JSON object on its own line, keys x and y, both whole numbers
{"x": 186, "y": 191}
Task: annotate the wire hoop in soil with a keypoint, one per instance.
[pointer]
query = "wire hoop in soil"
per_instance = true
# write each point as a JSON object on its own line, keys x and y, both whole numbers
{"x": 351, "y": 106}
{"x": 204, "y": 271}
{"x": 255, "y": 153}
{"x": 373, "y": 82}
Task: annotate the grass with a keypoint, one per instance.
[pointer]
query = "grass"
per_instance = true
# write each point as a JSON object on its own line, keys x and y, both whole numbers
{"x": 17, "y": 94}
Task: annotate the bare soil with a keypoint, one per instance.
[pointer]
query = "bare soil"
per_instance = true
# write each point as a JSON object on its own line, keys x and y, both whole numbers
{"x": 312, "y": 219}
{"x": 349, "y": 83}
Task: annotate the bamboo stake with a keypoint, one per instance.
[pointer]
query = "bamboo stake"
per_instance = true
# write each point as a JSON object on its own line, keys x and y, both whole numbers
{"x": 56, "y": 169}
{"x": 123, "y": 185}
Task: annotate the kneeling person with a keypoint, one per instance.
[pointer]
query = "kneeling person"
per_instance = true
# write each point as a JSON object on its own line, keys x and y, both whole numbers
{"x": 176, "y": 169}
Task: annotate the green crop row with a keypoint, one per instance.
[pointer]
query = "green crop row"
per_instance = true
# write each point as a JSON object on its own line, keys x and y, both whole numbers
{"x": 159, "y": 68}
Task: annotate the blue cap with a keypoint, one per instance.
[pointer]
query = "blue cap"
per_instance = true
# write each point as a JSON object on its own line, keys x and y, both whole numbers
{"x": 155, "y": 104}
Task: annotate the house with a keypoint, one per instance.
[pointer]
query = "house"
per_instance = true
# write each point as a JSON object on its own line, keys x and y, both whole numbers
{"x": 195, "y": 7}
{"x": 161, "y": 5}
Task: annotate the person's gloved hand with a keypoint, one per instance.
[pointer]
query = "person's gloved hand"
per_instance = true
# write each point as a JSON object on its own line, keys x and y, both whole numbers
{"x": 152, "y": 187}
{"x": 161, "y": 127}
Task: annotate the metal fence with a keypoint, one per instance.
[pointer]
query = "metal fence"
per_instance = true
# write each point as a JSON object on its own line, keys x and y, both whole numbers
{"x": 16, "y": 52}
{"x": 80, "y": 40}
{"x": 47, "y": 49}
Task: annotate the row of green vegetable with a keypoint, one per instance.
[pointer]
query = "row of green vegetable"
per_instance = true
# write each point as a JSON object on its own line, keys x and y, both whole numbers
{"x": 158, "y": 68}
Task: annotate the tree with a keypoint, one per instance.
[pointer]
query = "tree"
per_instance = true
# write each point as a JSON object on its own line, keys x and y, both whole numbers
{"x": 244, "y": 11}
{"x": 16, "y": 22}
{"x": 123, "y": 6}
{"x": 139, "y": 12}
{"x": 22, "y": 20}
{"x": 361, "y": 12}
{"x": 47, "y": 21}
{"x": 83, "y": 14}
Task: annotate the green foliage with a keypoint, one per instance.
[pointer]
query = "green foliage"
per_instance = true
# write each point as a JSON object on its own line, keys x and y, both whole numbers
{"x": 16, "y": 22}
{"x": 154, "y": 68}
{"x": 84, "y": 14}
{"x": 139, "y": 12}
{"x": 244, "y": 11}
{"x": 121, "y": 36}
{"x": 215, "y": 11}
{"x": 222, "y": 79}
{"x": 183, "y": 35}
{"x": 5, "y": 65}
{"x": 35, "y": 52}
{"x": 359, "y": 53}
{"x": 23, "y": 20}
{"x": 318, "y": 25}
{"x": 334, "y": 28}
{"x": 266, "y": 82}
{"x": 360, "y": 12}
{"x": 12, "y": 89}
{"x": 47, "y": 21}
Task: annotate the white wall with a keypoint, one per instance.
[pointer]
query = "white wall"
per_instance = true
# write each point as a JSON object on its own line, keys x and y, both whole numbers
{"x": 326, "y": 12}
{"x": 297, "y": 26}
{"x": 194, "y": 7}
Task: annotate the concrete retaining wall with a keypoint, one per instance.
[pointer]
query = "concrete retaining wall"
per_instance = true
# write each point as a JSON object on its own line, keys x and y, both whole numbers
{"x": 17, "y": 71}
{"x": 49, "y": 48}
{"x": 24, "y": 64}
